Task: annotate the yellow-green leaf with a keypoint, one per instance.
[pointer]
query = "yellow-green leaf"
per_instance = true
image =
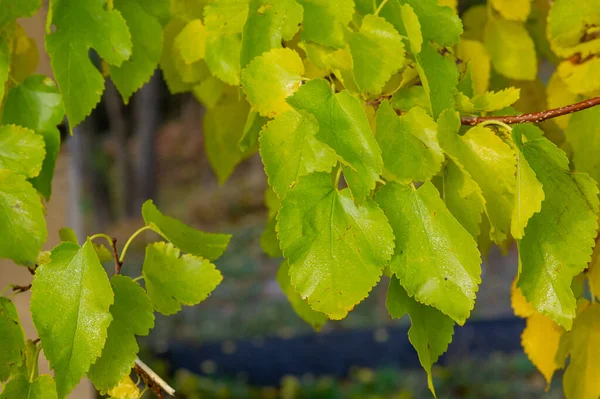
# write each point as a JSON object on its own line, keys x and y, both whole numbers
{"x": 270, "y": 78}
{"x": 540, "y": 340}
{"x": 511, "y": 49}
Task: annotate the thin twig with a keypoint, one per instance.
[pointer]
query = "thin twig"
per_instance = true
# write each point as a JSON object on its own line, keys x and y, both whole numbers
{"x": 153, "y": 380}
{"x": 535, "y": 116}
{"x": 118, "y": 263}
{"x": 21, "y": 288}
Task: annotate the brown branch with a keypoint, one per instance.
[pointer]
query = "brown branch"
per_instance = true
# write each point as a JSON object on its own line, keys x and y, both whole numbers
{"x": 118, "y": 263}
{"x": 535, "y": 116}
{"x": 21, "y": 288}
{"x": 152, "y": 380}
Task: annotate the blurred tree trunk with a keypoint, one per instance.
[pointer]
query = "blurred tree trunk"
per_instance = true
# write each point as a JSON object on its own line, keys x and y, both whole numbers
{"x": 119, "y": 126}
{"x": 146, "y": 119}
{"x": 95, "y": 172}
{"x": 76, "y": 179}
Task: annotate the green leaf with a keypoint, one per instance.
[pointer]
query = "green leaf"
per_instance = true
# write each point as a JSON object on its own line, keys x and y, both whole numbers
{"x": 303, "y": 309}
{"x": 5, "y": 51}
{"x": 516, "y": 10}
{"x": 169, "y": 58}
{"x": 81, "y": 25}
{"x": 270, "y": 78}
{"x": 343, "y": 126}
{"x": 209, "y": 92}
{"x": 569, "y": 22}
{"x": 438, "y": 72}
{"x": 431, "y": 331}
{"x": 529, "y": 195}
{"x": 36, "y": 104}
{"x": 21, "y": 150}
{"x": 269, "y": 23}
{"x": 146, "y": 38}
{"x": 439, "y": 24}
{"x": 12, "y": 344}
{"x": 325, "y": 21}
{"x": 475, "y": 54}
{"x": 254, "y": 124}
{"x": 581, "y": 344}
{"x": 191, "y": 42}
{"x": 188, "y": 239}
{"x": 583, "y": 134}
{"x": 377, "y": 53}
{"x": 409, "y": 146}
{"x": 558, "y": 240}
{"x": 103, "y": 253}
{"x": 133, "y": 315}
{"x": 223, "y": 128}
{"x": 511, "y": 49}
{"x": 336, "y": 250}
{"x": 13, "y": 9}
{"x": 289, "y": 150}
{"x": 268, "y": 239}
{"x": 463, "y": 197}
{"x": 43, "y": 387}
{"x": 435, "y": 258}
{"x": 224, "y": 21}
{"x": 494, "y": 100}
{"x": 22, "y": 212}
{"x": 172, "y": 281}
{"x": 70, "y": 299}
{"x": 490, "y": 162}
{"x": 406, "y": 98}
{"x": 67, "y": 234}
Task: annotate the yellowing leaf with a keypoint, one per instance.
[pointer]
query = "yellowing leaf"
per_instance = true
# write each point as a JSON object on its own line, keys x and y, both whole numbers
{"x": 519, "y": 303}
{"x": 516, "y": 10}
{"x": 569, "y": 22}
{"x": 191, "y": 41}
{"x": 453, "y": 4}
{"x": 125, "y": 389}
{"x": 580, "y": 380}
{"x": 25, "y": 56}
{"x": 270, "y": 78}
{"x": 540, "y": 341}
{"x": 581, "y": 78}
{"x": 474, "y": 53}
{"x": 558, "y": 95}
{"x": 511, "y": 49}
